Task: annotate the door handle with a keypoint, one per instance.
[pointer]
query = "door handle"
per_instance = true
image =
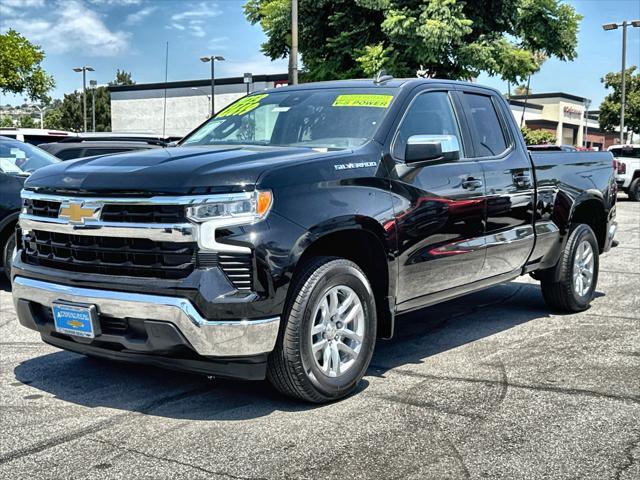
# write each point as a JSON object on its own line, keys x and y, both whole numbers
{"x": 522, "y": 179}
{"x": 472, "y": 183}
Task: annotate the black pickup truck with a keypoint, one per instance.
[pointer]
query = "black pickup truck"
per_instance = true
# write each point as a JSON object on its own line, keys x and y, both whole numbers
{"x": 282, "y": 237}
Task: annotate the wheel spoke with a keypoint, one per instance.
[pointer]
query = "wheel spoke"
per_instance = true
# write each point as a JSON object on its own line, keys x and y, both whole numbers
{"x": 347, "y": 349}
{"x": 319, "y": 346}
{"x": 333, "y": 301}
{"x": 326, "y": 358}
{"x": 587, "y": 258}
{"x": 319, "y": 328}
{"x": 335, "y": 358}
{"x": 352, "y": 313}
{"x": 350, "y": 334}
{"x": 346, "y": 303}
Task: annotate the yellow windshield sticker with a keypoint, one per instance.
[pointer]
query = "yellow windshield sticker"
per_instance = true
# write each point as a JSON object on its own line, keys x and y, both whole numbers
{"x": 363, "y": 100}
{"x": 242, "y": 106}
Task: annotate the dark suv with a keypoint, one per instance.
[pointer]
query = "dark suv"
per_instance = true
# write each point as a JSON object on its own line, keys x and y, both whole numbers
{"x": 91, "y": 146}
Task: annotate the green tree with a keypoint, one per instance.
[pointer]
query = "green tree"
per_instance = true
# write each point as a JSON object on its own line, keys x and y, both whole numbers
{"x": 445, "y": 38}
{"x": 610, "y": 107}
{"x": 122, "y": 78}
{"x": 53, "y": 115}
{"x": 6, "y": 121}
{"x": 537, "y": 137}
{"x": 27, "y": 121}
{"x": 21, "y": 72}
{"x": 522, "y": 90}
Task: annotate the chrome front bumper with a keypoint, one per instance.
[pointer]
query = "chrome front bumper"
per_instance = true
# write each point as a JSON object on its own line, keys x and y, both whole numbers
{"x": 207, "y": 337}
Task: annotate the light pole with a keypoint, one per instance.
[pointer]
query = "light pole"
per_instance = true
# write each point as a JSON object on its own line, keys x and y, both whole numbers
{"x": 614, "y": 26}
{"x": 84, "y": 71}
{"x": 293, "y": 54}
{"x": 213, "y": 59}
{"x": 205, "y": 94}
{"x": 94, "y": 85}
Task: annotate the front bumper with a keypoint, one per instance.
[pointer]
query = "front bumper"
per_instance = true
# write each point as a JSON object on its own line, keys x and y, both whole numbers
{"x": 208, "y": 338}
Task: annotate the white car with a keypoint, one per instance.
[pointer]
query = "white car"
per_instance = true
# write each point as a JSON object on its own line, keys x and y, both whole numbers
{"x": 628, "y": 169}
{"x": 35, "y": 136}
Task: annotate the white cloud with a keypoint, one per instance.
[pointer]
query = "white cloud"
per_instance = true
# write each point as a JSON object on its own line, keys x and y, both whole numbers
{"x": 18, "y": 8}
{"x": 116, "y": 2}
{"x": 194, "y": 18}
{"x": 137, "y": 17}
{"x": 218, "y": 43}
{"x": 72, "y": 27}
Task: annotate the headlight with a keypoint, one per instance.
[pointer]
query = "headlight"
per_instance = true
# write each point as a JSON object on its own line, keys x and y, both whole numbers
{"x": 245, "y": 206}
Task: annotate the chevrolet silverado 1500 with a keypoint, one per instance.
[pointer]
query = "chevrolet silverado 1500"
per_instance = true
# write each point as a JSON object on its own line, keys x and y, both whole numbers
{"x": 282, "y": 237}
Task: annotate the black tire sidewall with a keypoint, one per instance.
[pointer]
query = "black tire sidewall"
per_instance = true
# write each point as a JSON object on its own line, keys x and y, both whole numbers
{"x": 7, "y": 252}
{"x": 352, "y": 277}
{"x": 634, "y": 190}
{"x": 580, "y": 234}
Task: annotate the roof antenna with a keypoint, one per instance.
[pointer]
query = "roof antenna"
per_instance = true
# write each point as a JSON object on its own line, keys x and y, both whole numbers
{"x": 382, "y": 77}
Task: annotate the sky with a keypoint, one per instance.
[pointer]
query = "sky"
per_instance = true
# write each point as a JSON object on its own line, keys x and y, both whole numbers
{"x": 131, "y": 35}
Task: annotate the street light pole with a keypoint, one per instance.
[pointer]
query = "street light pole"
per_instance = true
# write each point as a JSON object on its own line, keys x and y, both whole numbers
{"x": 293, "y": 54}
{"x": 206, "y": 95}
{"x": 623, "y": 79}
{"x": 213, "y": 59}
{"x": 94, "y": 85}
{"x": 84, "y": 71}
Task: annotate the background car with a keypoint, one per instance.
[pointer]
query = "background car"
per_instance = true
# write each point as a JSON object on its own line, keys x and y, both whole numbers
{"x": 90, "y": 145}
{"x": 17, "y": 161}
{"x": 627, "y": 162}
{"x": 35, "y": 136}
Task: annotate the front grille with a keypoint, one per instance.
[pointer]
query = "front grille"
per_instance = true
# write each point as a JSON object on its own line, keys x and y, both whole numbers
{"x": 143, "y": 213}
{"x": 107, "y": 255}
{"x": 42, "y": 208}
{"x": 238, "y": 267}
{"x": 113, "y": 326}
{"x": 113, "y": 212}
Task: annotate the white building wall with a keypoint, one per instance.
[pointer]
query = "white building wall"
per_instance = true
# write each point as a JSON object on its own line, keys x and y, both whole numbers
{"x": 142, "y": 111}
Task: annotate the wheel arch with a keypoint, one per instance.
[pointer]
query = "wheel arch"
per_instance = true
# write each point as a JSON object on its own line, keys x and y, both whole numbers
{"x": 590, "y": 210}
{"x": 363, "y": 241}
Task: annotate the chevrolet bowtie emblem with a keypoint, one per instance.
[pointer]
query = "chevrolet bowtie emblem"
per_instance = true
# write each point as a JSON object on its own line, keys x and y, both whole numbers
{"x": 76, "y": 213}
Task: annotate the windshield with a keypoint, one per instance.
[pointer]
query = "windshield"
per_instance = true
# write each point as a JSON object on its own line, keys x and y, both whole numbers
{"x": 323, "y": 118}
{"x": 22, "y": 158}
{"x": 630, "y": 152}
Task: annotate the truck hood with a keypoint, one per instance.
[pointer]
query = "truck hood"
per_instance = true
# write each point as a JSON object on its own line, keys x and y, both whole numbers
{"x": 186, "y": 170}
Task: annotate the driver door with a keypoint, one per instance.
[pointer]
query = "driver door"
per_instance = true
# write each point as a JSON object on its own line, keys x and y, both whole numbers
{"x": 439, "y": 205}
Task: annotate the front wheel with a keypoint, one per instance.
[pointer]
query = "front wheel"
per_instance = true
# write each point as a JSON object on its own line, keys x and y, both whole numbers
{"x": 571, "y": 285}
{"x": 328, "y": 332}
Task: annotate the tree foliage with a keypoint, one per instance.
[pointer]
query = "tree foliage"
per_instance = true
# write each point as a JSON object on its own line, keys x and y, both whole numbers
{"x": 21, "y": 72}
{"x": 448, "y": 38}
{"x": 67, "y": 113}
{"x": 537, "y": 137}
{"x": 610, "y": 107}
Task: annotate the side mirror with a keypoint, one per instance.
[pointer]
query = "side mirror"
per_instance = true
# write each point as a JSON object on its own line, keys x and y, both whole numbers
{"x": 421, "y": 148}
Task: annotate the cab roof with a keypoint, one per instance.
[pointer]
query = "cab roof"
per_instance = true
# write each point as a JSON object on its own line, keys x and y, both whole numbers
{"x": 370, "y": 83}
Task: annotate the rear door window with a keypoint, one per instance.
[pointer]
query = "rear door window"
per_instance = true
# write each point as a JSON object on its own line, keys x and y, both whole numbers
{"x": 487, "y": 129}
{"x": 626, "y": 152}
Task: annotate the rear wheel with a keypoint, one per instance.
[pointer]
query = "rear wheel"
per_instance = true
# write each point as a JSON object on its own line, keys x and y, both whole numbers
{"x": 634, "y": 190}
{"x": 328, "y": 332}
{"x": 576, "y": 273}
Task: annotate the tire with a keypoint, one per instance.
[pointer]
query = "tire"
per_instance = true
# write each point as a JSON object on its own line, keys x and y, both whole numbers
{"x": 293, "y": 369}
{"x": 564, "y": 295}
{"x": 7, "y": 252}
{"x": 634, "y": 190}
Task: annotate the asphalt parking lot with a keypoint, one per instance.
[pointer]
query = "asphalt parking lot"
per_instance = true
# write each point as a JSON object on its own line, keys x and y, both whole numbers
{"x": 488, "y": 386}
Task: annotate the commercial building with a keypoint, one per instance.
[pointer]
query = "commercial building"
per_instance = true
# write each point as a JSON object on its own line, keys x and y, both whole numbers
{"x": 565, "y": 115}
{"x": 176, "y": 108}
